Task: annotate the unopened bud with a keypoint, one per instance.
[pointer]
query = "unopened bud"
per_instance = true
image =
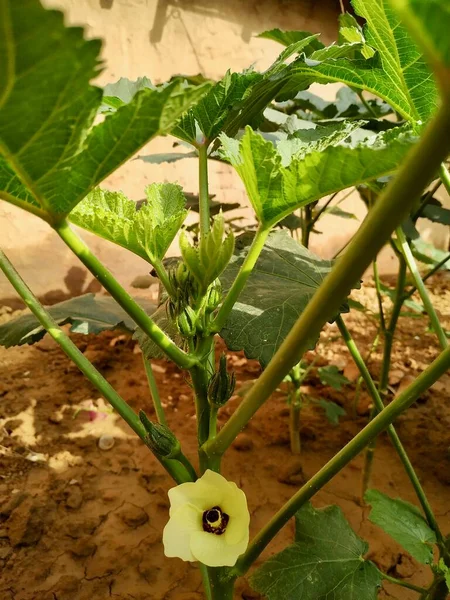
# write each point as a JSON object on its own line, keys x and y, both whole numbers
{"x": 159, "y": 438}
{"x": 221, "y": 385}
{"x": 213, "y": 296}
{"x": 187, "y": 322}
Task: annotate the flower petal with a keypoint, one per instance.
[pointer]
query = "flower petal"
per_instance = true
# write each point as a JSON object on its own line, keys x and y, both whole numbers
{"x": 199, "y": 494}
{"x": 183, "y": 523}
{"x": 235, "y": 505}
{"x": 213, "y": 550}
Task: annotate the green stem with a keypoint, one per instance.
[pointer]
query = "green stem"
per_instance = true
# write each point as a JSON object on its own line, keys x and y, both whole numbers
{"x": 188, "y": 465}
{"x": 366, "y": 104}
{"x": 322, "y": 208}
{"x": 369, "y": 457}
{"x": 423, "y": 293}
{"x": 376, "y": 277}
{"x": 294, "y": 425}
{"x": 159, "y": 410}
{"x": 213, "y": 422}
{"x": 241, "y": 279}
{"x": 403, "y": 583}
{"x": 206, "y": 583}
{"x": 306, "y": 225}
{"x": 164, "y": 277}
{"x": 203, "y": 189}
{"x": 431, "y": 272}
{"x": 391, "y": 208}
{"x": 378, "y": 402}
{"x": 342, "y": 458}
{"x": 222, "y": 584}
{"x": 136, "y": 312}
{"x": 176, "y": 470}
{"x": 390, "y": 331}
{"x": 445, "y": 177}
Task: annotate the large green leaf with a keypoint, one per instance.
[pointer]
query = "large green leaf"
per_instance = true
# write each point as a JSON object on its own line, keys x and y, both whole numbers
{"x": 280, "y": 286}
{"x": 326, "y": 562}
{"x": 404, "y": 522}
{"x": 51, "y": 156}
{"x": 86, "y": 314}
{"x": 397, "y": 72}
{"x": 291, "y": 37}
{"x": 275, "y": 191}
{"x": 147, "y": 231}
{"x": 210, "y": 113}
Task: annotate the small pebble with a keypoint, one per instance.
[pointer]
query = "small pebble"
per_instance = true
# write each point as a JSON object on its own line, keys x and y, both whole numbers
{"x": 106, "y": 442}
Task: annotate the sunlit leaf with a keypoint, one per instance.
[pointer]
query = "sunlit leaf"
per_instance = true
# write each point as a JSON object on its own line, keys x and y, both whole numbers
{"x": 330, "y": 375}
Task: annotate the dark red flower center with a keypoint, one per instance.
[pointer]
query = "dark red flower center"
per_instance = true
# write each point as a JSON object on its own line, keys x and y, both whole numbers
{"x": 215, "y": 520}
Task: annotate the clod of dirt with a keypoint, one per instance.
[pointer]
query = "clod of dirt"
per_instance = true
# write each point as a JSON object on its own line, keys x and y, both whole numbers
{"x": 5, "y": 552}
{"x": 396, "y": 376}
{"x": 405, "y": 567}
{"x": 26, "y": 524}
{"x": 55, "y": 418}
{"x": 133, "y": 516}
{"x": 106, "y": 442}
{"x": 364, "y": 405}
{"x": 351, "y": 371}
{"x": 15, "y": 501}
{"x": 292, "y": 472}
{"x": 84, "y": 547}
{"x": 74, "y": 498}
{"x": 243, "y": 443}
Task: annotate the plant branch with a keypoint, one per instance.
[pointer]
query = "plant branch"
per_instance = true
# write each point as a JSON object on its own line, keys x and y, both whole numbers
{"x": 136, "y": 312}
{"x": 445, "y": 177}
{"x": 31, "y": 208}
{"x": 175, "y": 469}
{"x": 409, "y": 258}
{"x": 154, "y": 392}
{"x": 342, "y": 458}
{"x": 402, "y": 583}
{"x": 376, "y": 277}
{"x": 431, "y": 272}
{"x": 389, "y": 211}
{"x": 241, "y": 279}
{"x": 373, "y": 391}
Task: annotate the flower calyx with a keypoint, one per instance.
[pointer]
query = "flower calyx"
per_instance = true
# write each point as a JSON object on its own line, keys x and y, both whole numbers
{"x": 221, "y": 385}
{"x": 160, "y": 438}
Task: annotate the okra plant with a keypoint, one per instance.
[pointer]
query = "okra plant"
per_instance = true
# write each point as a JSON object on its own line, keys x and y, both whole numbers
{"x": 263, "y": 292}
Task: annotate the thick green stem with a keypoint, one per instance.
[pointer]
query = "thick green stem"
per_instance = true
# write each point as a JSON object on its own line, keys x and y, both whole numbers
{"x": 154, "y": 392}
{"x": 342, "y": 458}
{"x": 445, "y": 177}
{"x": 203, "y": 189}
{"x": 222, "y": 585}
{"x": 402, "y": 583}
{"x": 378, "y": 402}
{"x": 131, "y": 307}
{"x": 176, "y": 470}
{"x": 390, "y": 330}
{"x": 423, "y": 293}
{"x": 306, "y": 225}
{"x": 389, "y": 211}
{"x": 241, "y": 279}
{"x": 164, "y": 277}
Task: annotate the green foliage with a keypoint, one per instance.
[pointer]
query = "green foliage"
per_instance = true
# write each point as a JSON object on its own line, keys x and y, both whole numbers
{"x": 331, "y": 376}
{"x": 147, "y": 231}
{"x": 275, "y": 191}
{"x": 326, "y": 561}
{"x": 207, "y": 261}
{"x": 167, "y": 157}
{"x": 287, "y": 38}
{"x": 122, "y": 92}
{"x": 209, "y": 114}
{"x": 404, "y": 522}
{"x": 437, "y": 213}
{"x": 162, "y": 318}
{"x": 333, "y": 411}
{"x": 280, "y": 286}
{"x": 397, "y": 72}
{"x": 51, "y": 156}
{"x": 86, "y": 314}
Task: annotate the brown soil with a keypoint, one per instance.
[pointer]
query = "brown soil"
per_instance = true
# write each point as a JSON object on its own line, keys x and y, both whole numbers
{"x": 81, "y": 523}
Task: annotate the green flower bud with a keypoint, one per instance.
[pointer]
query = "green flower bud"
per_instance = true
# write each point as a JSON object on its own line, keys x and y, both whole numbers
{"x": 159, "y": 438}
{"x": 221, "y": 385}
{"x": 213, "y": 296}
{"x": 187, "y": 322}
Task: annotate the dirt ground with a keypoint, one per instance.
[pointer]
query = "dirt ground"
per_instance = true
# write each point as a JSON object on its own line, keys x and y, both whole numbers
{"x": 81, "y": 523}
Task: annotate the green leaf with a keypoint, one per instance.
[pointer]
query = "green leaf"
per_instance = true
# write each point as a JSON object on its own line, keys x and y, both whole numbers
{"x": 124, "y": 90}
{"x": 166, "y": 157}
{"x": 331, "y": 376}
{"x": 428, "y": 253}
{"x": 332, "y": 410}
{"x": 437, "y": 214}
{"x": 404, "y": 522}
{"x": 210, "y": 113}
{"x": 397, "y": 72}
{"x": 207, "y": 260}
{"x": 87, "y": 314}
{"x": 276, "y": 191}
{"x": 338, "y": 212}
{"x": 445, "y": 571}
{"x": 326, "y": 562}
{"x": 280, "y": 286}
{"x": 291, "y": 37}
{"x": 147, "y": 231}
{"x": 162, "y": 319}
{"x": 51, "y": 156}
{"x": 351, "y": 32}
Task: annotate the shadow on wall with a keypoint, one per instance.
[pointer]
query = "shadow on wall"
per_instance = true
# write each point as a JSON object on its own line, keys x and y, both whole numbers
{"x": 228, "y": 11}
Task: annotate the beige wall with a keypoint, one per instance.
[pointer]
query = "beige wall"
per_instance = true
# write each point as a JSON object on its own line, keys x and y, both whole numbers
{"x": 159, "y": 38}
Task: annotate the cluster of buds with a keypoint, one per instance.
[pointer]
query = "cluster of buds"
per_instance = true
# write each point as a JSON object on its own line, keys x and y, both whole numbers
{"x": 221, "y": 385}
